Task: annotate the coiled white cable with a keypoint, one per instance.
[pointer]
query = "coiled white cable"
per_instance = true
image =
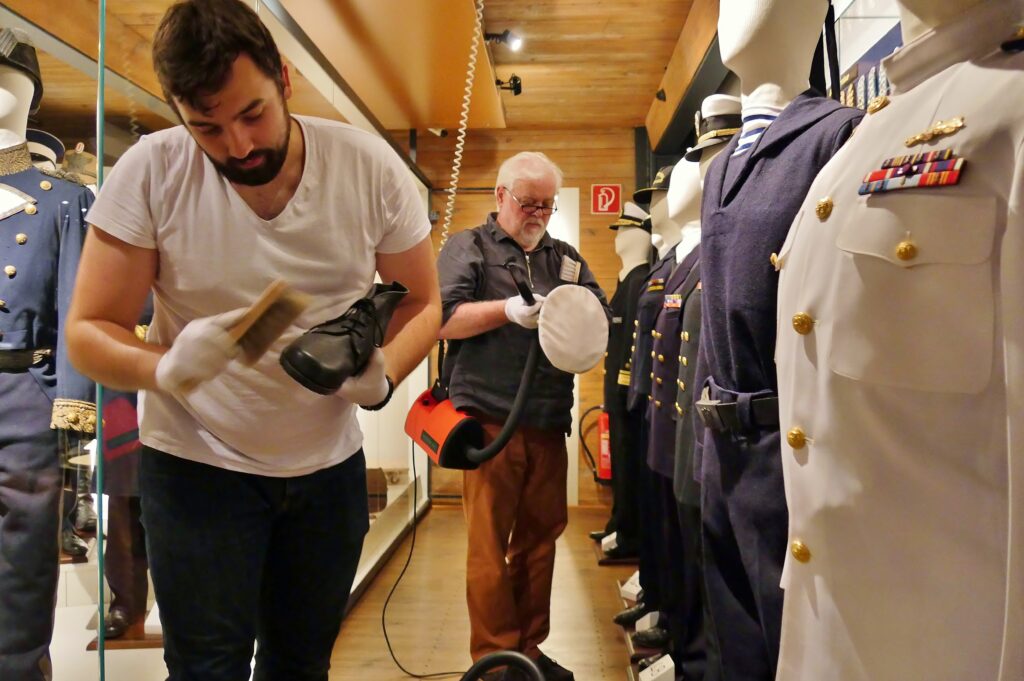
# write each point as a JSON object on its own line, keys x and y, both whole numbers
{"x": 460, "y": 142}
{"x": 134, "y": 126}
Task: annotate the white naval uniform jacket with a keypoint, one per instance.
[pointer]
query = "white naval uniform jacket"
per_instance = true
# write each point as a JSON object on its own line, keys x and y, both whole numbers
{"x": 901, "y": 383}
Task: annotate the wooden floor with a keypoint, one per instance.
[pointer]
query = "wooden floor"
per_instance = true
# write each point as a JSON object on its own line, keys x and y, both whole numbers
{"x": 427, "y": 619}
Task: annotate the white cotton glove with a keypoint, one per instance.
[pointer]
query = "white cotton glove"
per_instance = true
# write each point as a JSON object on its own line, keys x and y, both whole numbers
{"x": 369, "y": 387}
{"x": 522, "y": 314}
{"x": 201, "y": 351}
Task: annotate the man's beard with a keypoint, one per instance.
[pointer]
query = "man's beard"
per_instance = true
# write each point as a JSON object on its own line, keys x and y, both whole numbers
{"x": 273, "y": 161}
{"x": 535, "y": 229}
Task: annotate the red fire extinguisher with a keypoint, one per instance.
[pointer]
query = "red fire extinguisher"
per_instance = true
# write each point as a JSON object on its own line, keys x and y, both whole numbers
{"x": 604, "y": 457}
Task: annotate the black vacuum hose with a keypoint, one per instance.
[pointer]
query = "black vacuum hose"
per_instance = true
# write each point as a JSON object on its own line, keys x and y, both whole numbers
{"x": 512, "y": 422}
{"x": 504, "y": 658}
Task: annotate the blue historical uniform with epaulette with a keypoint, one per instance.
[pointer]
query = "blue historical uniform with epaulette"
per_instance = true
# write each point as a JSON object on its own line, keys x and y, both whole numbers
{"x": 749, "y": 203}
{"x": 42, "y": 228}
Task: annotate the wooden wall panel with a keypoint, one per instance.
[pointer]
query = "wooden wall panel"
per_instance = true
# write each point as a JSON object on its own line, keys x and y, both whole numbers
{"x": 586, "y": 157}
{"x": 694, "y": 41}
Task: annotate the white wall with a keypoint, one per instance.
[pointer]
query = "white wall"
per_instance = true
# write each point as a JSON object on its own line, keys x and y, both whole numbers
{"x": 565, "y": 225}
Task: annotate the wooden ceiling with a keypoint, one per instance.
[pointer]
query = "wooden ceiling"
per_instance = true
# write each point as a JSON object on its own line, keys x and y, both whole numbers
{"x": 406, "y": 60}
{"x": 585, "y": 63}
{"x": 69, "y": 102}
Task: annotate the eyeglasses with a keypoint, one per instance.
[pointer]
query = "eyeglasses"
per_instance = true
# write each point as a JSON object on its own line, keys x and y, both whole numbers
{"x": 530, "y": 209}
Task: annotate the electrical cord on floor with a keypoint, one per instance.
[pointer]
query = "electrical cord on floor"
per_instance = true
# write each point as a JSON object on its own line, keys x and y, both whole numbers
{"x": 408, "y": 560}
{"x": 474, "y": 50}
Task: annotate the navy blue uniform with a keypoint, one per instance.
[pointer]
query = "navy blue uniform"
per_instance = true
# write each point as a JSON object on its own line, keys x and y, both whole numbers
{"x": 41, "y": 233}
{"x": 749, "y": 203}
{"x": 678, "y": 538}
{"x": 638, "y": 396}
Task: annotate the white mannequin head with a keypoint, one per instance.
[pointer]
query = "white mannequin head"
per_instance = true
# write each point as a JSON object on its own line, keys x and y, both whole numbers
{"x": 633, "y": 246}
{"x": 918, "y": 16}
{"x": 684, "y": 205}
{"x": 661, "y": 224}
{"x": 16, "y": 90}
{"x": 770, "y": 45}
{"x": 684, "y": 193}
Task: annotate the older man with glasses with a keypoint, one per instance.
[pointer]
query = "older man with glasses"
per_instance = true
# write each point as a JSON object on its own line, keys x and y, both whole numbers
{"x": 515, "y": 504}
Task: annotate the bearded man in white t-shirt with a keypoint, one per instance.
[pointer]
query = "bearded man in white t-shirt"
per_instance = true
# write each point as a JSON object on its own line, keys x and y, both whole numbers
{"x": 253, "y": 488}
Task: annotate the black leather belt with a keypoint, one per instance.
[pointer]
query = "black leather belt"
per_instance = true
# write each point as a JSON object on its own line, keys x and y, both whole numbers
{"x": 19, "y": 360}
{"x": 724, "y": 416}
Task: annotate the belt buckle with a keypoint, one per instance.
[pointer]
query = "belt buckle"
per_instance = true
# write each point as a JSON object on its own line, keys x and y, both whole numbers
{"x": 707, "y": 409}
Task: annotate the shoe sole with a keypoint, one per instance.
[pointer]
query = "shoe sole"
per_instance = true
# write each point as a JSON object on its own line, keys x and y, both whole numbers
{"x": 304, "y": 380}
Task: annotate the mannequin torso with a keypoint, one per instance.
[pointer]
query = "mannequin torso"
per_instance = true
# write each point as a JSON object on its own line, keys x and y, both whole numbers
{"x": 871, "y": 373}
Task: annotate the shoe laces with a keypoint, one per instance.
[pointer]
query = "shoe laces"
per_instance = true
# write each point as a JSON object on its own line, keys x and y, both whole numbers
{"x": 352, "y": 324}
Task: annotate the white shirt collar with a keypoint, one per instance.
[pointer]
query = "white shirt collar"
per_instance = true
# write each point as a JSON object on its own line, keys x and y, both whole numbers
{"x": 975, "y": 33}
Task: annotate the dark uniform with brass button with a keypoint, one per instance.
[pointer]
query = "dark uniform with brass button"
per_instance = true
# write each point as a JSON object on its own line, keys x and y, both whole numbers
{"x": 626, "y": 457}
{"x": 642, "y": 360}
{"x": 749, "y": 203}
{"x": 42, "y": 227}
{"x": 679, "y": 544}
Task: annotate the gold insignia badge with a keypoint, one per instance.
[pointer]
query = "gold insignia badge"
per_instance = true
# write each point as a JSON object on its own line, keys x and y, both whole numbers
{"x": 940, "y": 129}
{"x": 877, "y": 104}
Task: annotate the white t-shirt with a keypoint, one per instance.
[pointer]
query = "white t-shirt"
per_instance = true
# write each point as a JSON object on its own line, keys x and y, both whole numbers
{"x": 356, "y": 198}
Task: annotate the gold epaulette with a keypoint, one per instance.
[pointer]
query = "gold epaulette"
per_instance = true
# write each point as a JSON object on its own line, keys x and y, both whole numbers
{"x": 140, "y": 331}
{"x": 62, "y": 174}
{"x": 74, "y": 415}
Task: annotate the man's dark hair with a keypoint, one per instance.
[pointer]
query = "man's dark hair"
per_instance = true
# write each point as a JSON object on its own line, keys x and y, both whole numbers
{"x": 198, "y": 41}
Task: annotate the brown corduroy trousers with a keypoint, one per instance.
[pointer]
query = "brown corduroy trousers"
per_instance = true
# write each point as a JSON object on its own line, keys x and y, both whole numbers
{"x": 515, "y": 506}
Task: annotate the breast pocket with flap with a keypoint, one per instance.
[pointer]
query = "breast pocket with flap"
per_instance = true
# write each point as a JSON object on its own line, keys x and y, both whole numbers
{"x": 917, "y": 309}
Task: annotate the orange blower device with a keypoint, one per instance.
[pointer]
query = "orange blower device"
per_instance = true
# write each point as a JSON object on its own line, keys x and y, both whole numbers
{"x": 454, "y": 439}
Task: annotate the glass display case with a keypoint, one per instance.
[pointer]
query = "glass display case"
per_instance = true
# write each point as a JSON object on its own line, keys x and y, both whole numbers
{"x": 867, "y": 31}
{"x": 83, "y": 125}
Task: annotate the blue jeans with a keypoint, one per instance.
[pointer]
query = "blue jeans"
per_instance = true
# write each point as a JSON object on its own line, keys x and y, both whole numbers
{"x": 239, "y": 558}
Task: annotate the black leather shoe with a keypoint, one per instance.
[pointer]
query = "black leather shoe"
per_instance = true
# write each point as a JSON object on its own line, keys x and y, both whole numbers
{"x": 629, "y": 616}
{"x": 648, "y": 661}
{"x": 553, "y": 671}
{"x": 71, "y": 543}
{"x": 116, "y": 623}
{"x": 83, "y": 517}
{"x": 598, "y": 535}
{"x": 655, "y": 637}
{"x": 323, "y": 357}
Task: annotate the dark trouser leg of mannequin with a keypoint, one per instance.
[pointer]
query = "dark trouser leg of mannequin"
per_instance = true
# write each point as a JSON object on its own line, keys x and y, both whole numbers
{"x": 125, "y": 562}
{"x": 650, "y": 535}
{"x": 30, "y": 485}
{"x": 625, "y": 479}
{"x": 239, "y": 559}
{"x": 745, "y": 525}
{"x": 686, "y": 622}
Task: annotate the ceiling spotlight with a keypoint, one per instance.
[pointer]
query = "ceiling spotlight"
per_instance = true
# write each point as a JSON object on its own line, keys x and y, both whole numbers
{"x": 514, "y": 42}
{"x": 514, "y": 85}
